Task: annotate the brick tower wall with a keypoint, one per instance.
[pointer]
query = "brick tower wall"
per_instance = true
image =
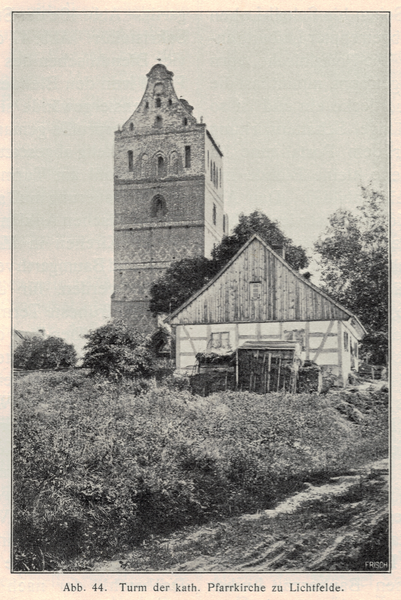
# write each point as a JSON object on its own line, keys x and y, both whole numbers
{"x": 165, "y": 201}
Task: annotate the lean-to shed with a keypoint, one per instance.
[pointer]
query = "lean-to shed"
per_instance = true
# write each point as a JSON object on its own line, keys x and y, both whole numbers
{"x": 258, "y": 297}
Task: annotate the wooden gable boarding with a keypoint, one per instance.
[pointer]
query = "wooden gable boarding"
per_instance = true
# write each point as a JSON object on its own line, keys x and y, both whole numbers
{"x": 257, "y": 285}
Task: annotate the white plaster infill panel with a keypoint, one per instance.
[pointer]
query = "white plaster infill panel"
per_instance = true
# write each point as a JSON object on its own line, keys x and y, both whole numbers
{"x": 327, "y": 358}
{"x": 270, "y": 329}
{"x": 330, "y": 343}
{"x": 319, "y": 327}
{"x": 247, "y": 329}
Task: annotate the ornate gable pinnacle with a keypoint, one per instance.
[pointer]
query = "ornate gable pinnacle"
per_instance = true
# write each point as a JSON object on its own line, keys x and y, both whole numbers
{"x": 159, "y": 71}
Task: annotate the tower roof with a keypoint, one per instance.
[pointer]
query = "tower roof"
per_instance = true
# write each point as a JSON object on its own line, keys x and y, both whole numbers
{"x": 159, "y": 71}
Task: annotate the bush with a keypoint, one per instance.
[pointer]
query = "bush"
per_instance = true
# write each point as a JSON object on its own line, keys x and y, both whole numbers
{"x": 119, "y": 464}
{"x": 49, "y": 353}
{"x": 116, "y": 351}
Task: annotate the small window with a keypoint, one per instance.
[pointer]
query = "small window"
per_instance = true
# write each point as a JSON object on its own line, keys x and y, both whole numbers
{"x": 170, "y": 102}
{"x": 158, "y": 102}
{"x": 346, "y": 346}
{"x": 131, "y": 126}
{"x": 214, "y": 214}
{"x": 146, "y": 104}
{"x": 220, "y": 340}
{"x": 220, "y": 178}
{"x": 185, "y": 121}
{"x": 255, "y": 290}
{"x": 211, "y": 170}
{"x": 159, "y": 121}
{"x": 356, "y": 349}
{"x": 187, "y": 156}
{"x": 224, "y": 223}
{"x": 130, "y": 160}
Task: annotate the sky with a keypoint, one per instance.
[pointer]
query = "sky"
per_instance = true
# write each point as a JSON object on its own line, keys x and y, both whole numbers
{"x": 298, "y": 103}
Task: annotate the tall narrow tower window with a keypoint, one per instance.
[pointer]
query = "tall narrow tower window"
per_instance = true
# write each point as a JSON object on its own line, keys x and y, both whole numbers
{"x": 158, "y": 121}
{"x": 146, "y": 104}
{"x": 130, "y": 160}
{"x": 158, "y": 102}
{"x": 187, "y": 157}
{"x": 224, "y": 223}
{"x": 214, "y": 214}
{"x": 160, "y": 167}
{"x": 131, "y": 126}
{"x": 185, "y": 121}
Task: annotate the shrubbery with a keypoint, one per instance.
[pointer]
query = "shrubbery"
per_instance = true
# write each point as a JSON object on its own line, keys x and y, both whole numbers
{"x": 49, "y": 353}
{"x": 98, "y": 468}
{"x": 116, "y": 351}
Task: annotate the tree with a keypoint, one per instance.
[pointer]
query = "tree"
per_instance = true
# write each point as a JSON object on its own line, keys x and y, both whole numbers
{"x": 257, "y": 222}
{"x": 183, "y": 278}
{"x": 50, "y": 353}
{"x": 354, "y": 262}
{"x": 115, "y": 351}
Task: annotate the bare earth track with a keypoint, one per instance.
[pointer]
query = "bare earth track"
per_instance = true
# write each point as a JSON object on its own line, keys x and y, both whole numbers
{"x": 340, "y": 525}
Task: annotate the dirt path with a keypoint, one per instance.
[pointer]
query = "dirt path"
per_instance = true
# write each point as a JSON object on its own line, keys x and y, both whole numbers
{"x": 340, "y": 525}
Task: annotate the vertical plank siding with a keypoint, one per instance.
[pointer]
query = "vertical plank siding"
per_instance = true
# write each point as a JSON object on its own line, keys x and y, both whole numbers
{"x": 284, "y": 297}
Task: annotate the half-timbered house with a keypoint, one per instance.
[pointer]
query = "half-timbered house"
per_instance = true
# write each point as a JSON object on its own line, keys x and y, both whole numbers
{"x": 258, "y": 302}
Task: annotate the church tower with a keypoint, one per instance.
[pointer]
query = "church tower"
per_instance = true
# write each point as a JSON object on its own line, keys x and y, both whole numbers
{"x": 168, "y": 195}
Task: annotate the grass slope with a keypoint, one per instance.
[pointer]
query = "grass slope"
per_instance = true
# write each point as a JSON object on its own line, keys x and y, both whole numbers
{"x": 101, "y": 467}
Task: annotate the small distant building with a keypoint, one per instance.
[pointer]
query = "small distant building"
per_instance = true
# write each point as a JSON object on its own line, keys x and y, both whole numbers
{"x": 258, "y": 305}
{"x": 20, "y": 336}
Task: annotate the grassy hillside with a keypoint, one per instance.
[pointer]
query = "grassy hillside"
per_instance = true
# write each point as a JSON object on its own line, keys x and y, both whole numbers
{"x": 100, "y": 467}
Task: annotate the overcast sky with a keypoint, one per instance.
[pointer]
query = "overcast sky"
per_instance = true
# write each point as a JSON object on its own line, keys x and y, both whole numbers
{"x": 297, "y": 101}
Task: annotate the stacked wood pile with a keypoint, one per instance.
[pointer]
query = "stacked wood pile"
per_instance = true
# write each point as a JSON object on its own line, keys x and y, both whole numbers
{"x": 264, "y": 371}
{"x": 309, "y": 378}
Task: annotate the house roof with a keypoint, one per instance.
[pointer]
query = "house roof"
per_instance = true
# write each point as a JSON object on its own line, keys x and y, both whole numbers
{"x": 20, "y": 336}
{"x": 346, "y": 312}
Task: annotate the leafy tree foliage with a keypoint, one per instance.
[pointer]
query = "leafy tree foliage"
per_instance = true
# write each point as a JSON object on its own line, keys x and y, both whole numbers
{"x": 354, "y": 261}
{"x": 182, "y": 279}
{"x": 115, "y": 351}
{"x": 39, "y": 353}
{"x": 257, "y": 222}
{"x": 185, "y": 277}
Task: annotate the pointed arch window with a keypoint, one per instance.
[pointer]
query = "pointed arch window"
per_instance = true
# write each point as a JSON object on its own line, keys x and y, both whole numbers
{"x": 130, "y": 160}
{"x": 158, "y": 206}
{"x": 161, "y": 167}
{"x": 187, "y": 157}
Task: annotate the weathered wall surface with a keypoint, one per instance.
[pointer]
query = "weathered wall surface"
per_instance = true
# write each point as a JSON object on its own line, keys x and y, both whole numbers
{"x": 259, "y": 286}
{"x": 320, "y": 341}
